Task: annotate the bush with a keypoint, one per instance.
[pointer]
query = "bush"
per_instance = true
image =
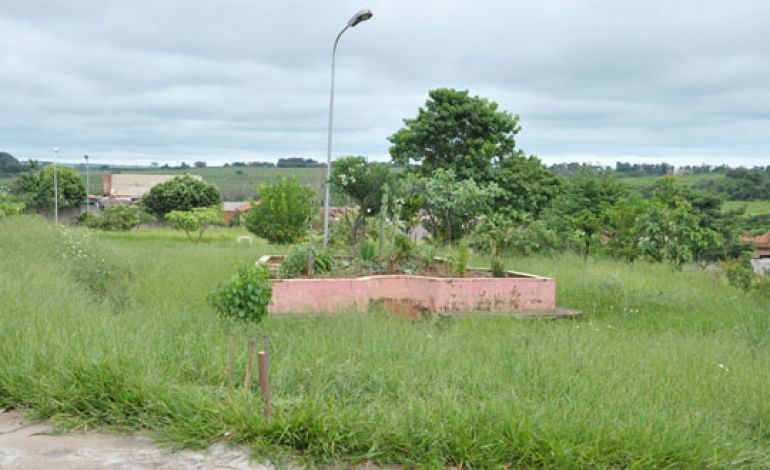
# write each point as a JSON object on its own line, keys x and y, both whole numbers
{"x": 284, "y": 210}
{"x": 295, "y": 263}
{"x": 195, "y": 220}
{"x": 182, "y": 193}
{"x": 367, "y": 251}
{"x": 740, "y": 273}
{"x": 245, "y": 295}
{"x": 37, "y": 189}
{"x": 117, "y": 217}
{"x": 9, "y": 205}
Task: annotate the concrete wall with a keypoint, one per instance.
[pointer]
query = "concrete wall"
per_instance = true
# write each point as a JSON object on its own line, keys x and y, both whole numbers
{"x": 417, "y": 293}
{"x": 761, "y": 265}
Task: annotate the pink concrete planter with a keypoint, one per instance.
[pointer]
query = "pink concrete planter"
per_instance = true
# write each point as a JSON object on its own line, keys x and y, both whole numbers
{"x": 414, "y": 295}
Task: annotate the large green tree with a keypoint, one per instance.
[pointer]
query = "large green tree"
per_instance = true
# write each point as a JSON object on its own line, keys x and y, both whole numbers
{"x": 8, "y": 164}
{"x": 181, "y": 194}
{"x": 458, "y": 132}
{"x": 473, "y": 138}
{"x": 526, "y": 185}
{"x": 37, "y": 188}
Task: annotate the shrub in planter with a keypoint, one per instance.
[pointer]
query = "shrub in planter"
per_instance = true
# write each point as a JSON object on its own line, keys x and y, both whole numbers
{"x": 245, "y": 295}
{"x": 296, "y": 263}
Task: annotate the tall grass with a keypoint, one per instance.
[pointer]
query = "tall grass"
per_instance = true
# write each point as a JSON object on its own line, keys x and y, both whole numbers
{"x": 667, "y": 369}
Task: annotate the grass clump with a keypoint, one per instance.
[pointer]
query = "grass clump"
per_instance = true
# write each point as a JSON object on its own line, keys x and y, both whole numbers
{"x": 297, "y": 262}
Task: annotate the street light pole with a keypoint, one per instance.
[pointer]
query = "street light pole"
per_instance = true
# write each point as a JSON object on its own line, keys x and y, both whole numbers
{"x": 55, "y": 188}
{"x": 88, "y": 185}
{"x": 360, "y": 16}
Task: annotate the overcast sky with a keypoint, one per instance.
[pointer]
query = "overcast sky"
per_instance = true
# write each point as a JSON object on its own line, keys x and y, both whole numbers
{"x": 236, "y": 80}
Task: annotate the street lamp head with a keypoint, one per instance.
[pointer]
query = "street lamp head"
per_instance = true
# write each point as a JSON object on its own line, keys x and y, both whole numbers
{"x": 56, "y": 150}
{"x": 360, "y": 17}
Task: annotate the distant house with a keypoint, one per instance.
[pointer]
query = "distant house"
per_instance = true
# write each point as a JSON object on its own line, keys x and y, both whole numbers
{"x": 762, "y": 243}
{"x": 761, "y": 256}
{"x": 126, "y": 188}
{"x": 229, "y": 209}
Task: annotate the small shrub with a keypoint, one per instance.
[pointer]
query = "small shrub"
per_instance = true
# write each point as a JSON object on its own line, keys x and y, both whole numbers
{"x": 245, "y": 295}
{"x": 461, "y": 263}
{"x": 196, "y": 220}
{"x": 296, "y": 262}
{"x": 740, "y": 273}
{"x": 403, "y": 246}
{"x": 367, "y": 251}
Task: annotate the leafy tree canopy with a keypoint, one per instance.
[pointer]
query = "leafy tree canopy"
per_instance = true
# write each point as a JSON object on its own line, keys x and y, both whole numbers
{"x": 452, "y": 206}
{"x": 8, "y": 164}
{"x": 456, "y": 131}
{"x": 195, "y": 221}
{"x": 363, "y": 183}
{"x": 37, "y": 189}
{"x": 284, "y": 210}
{"x": 526, "y": 185}
{"x": 181, "y": 194}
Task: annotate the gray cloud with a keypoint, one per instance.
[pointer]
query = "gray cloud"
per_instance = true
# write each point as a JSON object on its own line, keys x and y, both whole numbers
{"x": 596, "y": 80}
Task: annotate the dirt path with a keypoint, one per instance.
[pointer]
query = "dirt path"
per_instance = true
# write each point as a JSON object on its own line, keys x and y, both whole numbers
{"x": 25, "y": 445}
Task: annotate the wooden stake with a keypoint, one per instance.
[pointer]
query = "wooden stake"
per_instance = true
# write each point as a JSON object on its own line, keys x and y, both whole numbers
{"x": 264, "y": 383}
{"x": 249, "y": 366}
{"x": 230, "y": 351}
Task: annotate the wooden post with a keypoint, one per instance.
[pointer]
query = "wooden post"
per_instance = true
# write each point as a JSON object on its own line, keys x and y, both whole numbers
{"x": 249, "y": 366}
{"x": 230, "y": 351}
{"x": 264, "y": 383}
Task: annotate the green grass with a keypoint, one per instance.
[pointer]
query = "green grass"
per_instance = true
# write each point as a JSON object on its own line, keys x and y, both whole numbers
{"x": 641, "y": 182}
{"x": 759, "y": 207}
{"x": 667, "y": 368}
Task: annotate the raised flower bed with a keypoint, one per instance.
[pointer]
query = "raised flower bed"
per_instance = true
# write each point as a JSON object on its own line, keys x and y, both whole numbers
{"x": 414, "y": 295}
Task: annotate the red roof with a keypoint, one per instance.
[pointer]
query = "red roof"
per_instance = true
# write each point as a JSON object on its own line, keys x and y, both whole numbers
{"x": 760, "y": 240}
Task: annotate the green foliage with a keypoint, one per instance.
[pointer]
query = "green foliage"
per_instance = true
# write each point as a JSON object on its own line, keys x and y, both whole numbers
{"x": 182, "y": 193}
{"x": 742, "y": 184}
{"x": 459, "y": 259}
{"x": 368, "y": 251}
{"x": 740, "y": 273}
{"x": 194, "y": 221}
{"x": 37, "y": 188}
{"x": 8, "y": 164}
{"x": 760, "y": 287}
{"x": 526, "y": 185}
{"x": 283, "y": 212}
{"x": 296, "y": 263}
{"x": 452, "y": 206}
{"x": 245, "y": 295}
{"x": 580, "y": 211}
{"x": 457, "y": 132}
{"x": 9, "y": 204}
{"x": 363, "y": 183}
{"x": 383, "y": 216}
{"x": 497, "y": 235}
{"x": 117, "y": 217}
